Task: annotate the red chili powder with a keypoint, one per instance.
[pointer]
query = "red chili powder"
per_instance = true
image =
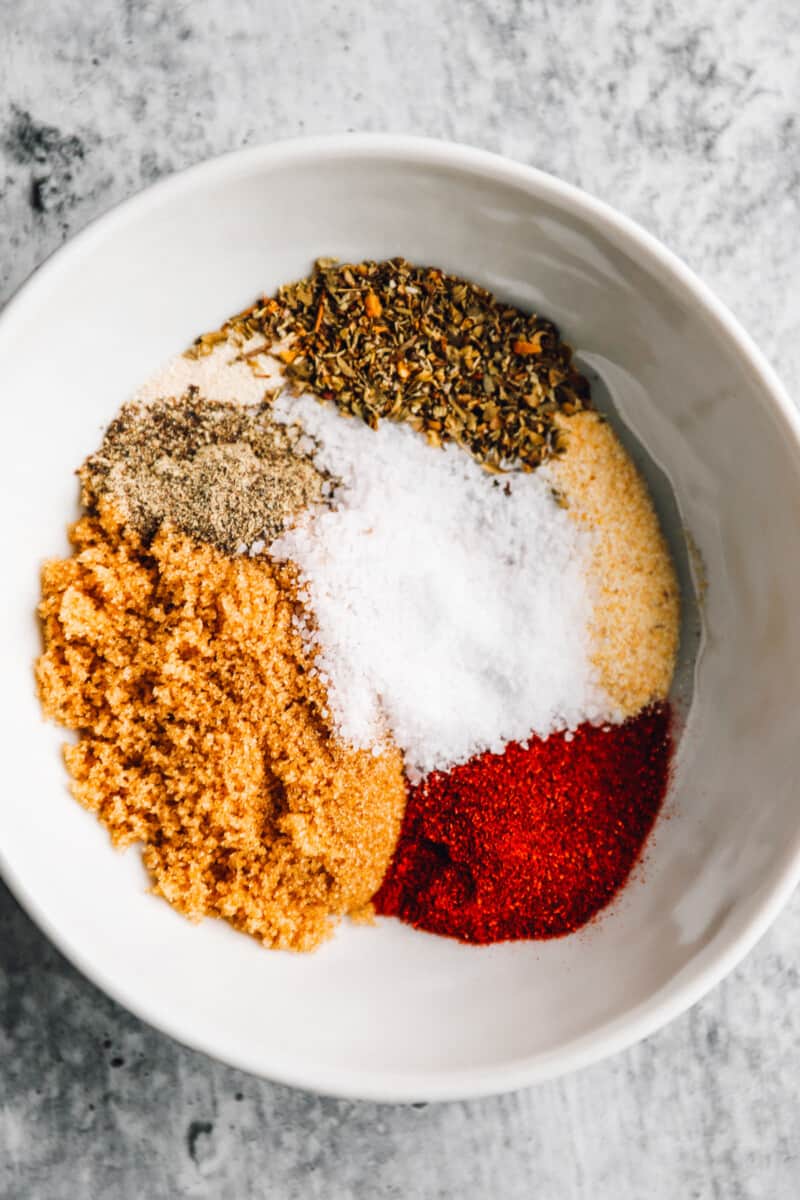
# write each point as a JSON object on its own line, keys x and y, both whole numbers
{"x": 530, "y": 843}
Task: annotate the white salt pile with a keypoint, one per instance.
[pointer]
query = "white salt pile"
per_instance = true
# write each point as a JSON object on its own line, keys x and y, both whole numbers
{"x": 450, "y": 607}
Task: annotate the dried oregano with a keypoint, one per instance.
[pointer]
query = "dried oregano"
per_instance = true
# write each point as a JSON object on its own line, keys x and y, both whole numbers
{"x": 392, "y": 340}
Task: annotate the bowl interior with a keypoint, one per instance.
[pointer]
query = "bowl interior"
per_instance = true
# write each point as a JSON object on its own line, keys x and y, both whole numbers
{"x": 384, "y": 1011}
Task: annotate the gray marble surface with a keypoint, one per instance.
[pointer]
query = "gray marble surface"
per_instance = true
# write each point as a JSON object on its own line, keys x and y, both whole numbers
{"x": 683, "y": 115}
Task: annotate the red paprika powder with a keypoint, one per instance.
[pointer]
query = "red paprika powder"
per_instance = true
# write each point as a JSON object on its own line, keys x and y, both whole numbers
{"x": 530, "y": 843}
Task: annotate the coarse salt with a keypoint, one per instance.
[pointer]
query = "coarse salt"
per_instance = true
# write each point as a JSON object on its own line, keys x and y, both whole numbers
{"x": 449, "y": 608}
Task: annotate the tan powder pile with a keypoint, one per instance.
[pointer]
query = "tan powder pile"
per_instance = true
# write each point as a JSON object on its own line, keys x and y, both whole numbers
{"x": 228, "y": 371}
{"x": 635, "y": 627}
{"x": 222, "y": 472}
{"x": 204, "y": 736}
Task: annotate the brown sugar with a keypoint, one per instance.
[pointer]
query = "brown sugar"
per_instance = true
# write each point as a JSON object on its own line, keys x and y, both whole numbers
{"x": 203, "y": 733}
{"x": 635, "y": 625}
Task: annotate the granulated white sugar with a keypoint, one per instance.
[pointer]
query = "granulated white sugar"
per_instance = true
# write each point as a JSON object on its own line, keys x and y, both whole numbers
{"x": 450, "y": 607}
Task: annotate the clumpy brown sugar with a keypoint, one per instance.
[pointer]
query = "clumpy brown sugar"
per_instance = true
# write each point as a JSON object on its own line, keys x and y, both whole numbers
{"x": 635, "y": 626}
{"x": 203, "y": 733}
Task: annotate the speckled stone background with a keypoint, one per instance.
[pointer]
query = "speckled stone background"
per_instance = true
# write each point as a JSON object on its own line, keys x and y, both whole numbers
{"x": 685, "y": 116}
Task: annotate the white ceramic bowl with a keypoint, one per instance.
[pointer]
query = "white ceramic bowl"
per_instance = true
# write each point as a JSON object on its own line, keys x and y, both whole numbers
{"x": 385, "y": 1012}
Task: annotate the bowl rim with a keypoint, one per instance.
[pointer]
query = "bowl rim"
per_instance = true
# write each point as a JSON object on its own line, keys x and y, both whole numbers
{"x": 673, "y": 999}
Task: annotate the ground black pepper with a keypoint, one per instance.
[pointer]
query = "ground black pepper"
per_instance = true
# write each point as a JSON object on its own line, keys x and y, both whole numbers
{"x": 222, "y": 473}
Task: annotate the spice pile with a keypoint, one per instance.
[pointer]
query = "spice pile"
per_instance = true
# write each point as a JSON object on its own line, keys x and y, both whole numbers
{"x": 388, "y": 339}
{"x": 530, "y": 843}
{"x": 225, "y": 475}
{"x": 317, "y": 661}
